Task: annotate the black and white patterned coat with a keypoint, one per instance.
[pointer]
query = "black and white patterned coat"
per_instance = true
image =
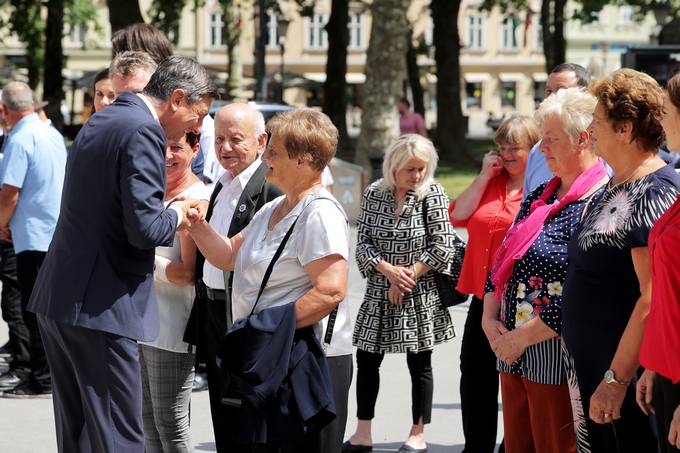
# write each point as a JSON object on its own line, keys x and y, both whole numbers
{"x": 421, "y": 321}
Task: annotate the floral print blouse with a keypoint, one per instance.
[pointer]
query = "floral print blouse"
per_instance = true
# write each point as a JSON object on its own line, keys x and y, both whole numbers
{"x": 535, "y": 290}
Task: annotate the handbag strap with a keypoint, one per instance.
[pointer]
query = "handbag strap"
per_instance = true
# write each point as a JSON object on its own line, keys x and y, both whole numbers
{"x": 275, "y": 258}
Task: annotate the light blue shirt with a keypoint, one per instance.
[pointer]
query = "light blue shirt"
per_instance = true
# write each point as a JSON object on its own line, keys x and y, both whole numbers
{"x": 34, "y": 162}
{"x": 536, "y": 172}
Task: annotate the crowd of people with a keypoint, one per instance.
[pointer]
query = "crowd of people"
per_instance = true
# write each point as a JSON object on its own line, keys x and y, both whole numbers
{"x": 122, "y": 270}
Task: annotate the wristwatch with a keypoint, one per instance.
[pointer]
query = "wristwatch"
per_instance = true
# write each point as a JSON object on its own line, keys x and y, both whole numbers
{"x": 610, "y": 378}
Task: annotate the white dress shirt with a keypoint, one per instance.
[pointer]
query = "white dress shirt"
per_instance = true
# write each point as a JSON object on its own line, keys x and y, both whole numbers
{"x": 223, "y": 212}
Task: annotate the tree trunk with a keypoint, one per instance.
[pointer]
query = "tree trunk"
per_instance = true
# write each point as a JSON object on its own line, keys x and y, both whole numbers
{"x": 260, "y": 51}
{"x": 451, "y": 125}
{"x": 232, "y": 32}
{"x": 53, "y": 90}
{"x": 335, "y": 86}
{"x": 413, "y": 73}
{"x": 552, "y": 24}
{"x": 123, "y": 13}
{"x": 385, "y": 68}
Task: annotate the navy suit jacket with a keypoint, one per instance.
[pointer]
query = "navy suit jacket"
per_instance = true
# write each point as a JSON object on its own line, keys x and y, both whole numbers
{"x": 98, "y": 272}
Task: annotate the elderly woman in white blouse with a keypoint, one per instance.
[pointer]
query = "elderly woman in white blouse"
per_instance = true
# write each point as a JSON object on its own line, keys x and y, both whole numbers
{"x": 167, "y": 364}
{"x": 312, "y": 270}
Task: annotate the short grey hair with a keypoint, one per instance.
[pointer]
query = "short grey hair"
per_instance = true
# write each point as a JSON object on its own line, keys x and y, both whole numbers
{"x": 131, "y": 61}
{"x": 574, "y": 107}
{"x": 407, "y": 147}
{"x": 257, "y": 119}
{"x": 179, "y": 72}
{"x": 18, "y": 96}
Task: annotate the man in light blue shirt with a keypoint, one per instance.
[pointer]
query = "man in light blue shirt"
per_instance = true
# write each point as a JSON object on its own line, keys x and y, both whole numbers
{"x": 31, "y": 178}
{"x": 564, "y": 75}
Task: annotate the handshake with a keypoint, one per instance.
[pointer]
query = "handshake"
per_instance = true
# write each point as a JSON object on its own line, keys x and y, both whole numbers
{"x": 193, "y": 212}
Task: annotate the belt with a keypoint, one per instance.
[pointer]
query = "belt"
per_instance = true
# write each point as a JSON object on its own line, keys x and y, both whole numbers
{"x": 216, "y": 294}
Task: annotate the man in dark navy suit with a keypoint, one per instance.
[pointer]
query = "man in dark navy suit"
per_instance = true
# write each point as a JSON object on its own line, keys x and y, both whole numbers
{"x": 94, "y": 295}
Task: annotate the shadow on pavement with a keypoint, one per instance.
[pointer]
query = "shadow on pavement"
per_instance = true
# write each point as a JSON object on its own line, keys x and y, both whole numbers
{"x": 431, "y": 448}
{"x": 205, "y": 446}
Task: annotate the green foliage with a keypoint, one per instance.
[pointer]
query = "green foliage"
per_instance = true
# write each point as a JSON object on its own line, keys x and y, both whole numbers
{"x": 166, "y": 15}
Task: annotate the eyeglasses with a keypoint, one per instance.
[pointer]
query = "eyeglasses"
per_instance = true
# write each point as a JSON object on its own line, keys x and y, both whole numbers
{"x": 509, "y": 149}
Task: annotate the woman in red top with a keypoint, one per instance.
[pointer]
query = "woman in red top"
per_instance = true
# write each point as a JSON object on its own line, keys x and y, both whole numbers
{"x": 659, "y": 386}
{"x": 487, "y": 208}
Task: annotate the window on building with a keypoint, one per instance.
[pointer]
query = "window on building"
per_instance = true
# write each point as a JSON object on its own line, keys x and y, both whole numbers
{"x": 316, "y": 37}
{"x": 356, "y": 36}
{"x": 271, "y": 37}
{"x": 77, "y": 34}
{"x": 216, "y": 27}
{"x": 475, "y": 32}
{"x": 473, "y": 94}
{"x": 509, "y": 32}
{"x": 429, "y": 31}
{"x": 626, "y": 15}
{"x": 508, "y": 94}
{"x": 539, "y": 92}
{"x": 538, "y": 34}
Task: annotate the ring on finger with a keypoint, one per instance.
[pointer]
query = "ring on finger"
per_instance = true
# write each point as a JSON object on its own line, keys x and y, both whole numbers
{"x": 605, "y": 415}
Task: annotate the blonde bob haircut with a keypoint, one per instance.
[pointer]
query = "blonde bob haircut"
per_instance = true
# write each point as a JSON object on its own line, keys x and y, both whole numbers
{"x": 573, "y": 107}
{"x": 517, "y": 130}
{"x": 405, "y": 148}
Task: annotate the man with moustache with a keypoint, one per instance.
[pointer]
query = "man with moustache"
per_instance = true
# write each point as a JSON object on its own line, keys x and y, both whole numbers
{"x": 94, "y": 296}
{"x": 240, "y": 140}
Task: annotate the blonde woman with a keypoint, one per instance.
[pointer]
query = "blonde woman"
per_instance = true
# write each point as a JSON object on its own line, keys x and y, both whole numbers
{"x": 401, "y": 311}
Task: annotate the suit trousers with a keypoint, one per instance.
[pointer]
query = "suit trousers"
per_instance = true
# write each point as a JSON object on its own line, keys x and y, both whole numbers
{"x": 537, "y": 417}
{"x": 96, "y": 389}
{"x": 10, "y": 304}
{"x": 37, "y": 368}
{"x": 167, "y": 379}
{"x": 666, "y": 400}
{"x": 478, "y": 385}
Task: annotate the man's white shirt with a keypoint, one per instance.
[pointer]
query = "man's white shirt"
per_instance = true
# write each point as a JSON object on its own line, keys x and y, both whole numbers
{"x": 223, "y": 211}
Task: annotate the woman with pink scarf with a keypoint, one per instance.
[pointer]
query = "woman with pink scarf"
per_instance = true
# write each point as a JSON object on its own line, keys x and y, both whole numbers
{"x": 522, "y": 305}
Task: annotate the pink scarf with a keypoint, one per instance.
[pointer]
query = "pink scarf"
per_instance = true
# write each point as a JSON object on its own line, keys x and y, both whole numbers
{"x": 523, "y": 234}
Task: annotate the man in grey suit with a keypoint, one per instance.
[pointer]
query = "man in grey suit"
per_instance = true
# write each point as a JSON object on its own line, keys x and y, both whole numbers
{"x": 240, "y": 140}
{"x": 94, "y": 295}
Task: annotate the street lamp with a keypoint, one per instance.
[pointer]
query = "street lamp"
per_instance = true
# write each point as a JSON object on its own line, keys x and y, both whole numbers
{"x": 281, "y": 31}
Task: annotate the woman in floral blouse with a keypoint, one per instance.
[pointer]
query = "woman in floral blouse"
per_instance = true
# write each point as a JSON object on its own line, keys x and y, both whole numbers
{"x": 607, "y": 290}
{"x": 522, "y": 305}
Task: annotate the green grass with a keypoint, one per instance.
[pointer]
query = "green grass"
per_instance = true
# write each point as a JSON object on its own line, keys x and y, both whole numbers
{"x": 455, "y": 176}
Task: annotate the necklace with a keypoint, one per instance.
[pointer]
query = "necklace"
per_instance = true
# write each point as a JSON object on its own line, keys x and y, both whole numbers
{"x": 610, "y": 186}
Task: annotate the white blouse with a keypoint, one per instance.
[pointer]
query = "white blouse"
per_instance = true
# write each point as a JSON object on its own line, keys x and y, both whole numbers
{"x": 321, "y": 230}
{"x": 175, "y": 301}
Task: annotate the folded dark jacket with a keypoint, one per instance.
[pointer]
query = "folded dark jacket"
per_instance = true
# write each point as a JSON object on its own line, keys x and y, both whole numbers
{"x": 282, "y": 374}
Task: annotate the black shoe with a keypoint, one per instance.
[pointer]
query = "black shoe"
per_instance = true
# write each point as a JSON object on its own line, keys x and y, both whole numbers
{"x": 347, "y": 447}
{"x": 408, "y": 449}
{"x": 200, "y": 382}
{"x": 9, "y": 380}
{"x": 27, "y": 390}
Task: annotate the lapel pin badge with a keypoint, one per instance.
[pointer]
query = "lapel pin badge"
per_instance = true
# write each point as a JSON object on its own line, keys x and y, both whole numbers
{"x": 242, "y": 208}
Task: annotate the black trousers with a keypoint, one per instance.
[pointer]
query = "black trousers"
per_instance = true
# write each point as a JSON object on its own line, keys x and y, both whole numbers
{"x": 10, "y": 304}
{"x": 368, "y": 384}
{"x": 36, "y": 368}
{"x": 666, "y": 400}
{"x": 478, "y": 385}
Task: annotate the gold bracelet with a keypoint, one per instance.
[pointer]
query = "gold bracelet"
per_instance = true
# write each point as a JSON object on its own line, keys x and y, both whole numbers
{"x": 415, "y": 275}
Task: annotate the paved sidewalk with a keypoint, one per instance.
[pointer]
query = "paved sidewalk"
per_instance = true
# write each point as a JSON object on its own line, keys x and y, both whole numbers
{"x": 27, "y": 426}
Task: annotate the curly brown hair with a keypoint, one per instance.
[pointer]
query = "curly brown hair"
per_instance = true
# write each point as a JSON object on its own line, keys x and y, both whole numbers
{"x": 632, "y": 96}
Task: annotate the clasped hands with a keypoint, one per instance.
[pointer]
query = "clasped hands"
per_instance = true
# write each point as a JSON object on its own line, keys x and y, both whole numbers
{"x": 402, "y": 280}
{"x": 194, "y": 211}
{"x": 508, "y": 345}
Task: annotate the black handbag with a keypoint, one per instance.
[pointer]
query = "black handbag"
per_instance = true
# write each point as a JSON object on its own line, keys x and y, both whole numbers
{"x": 446, "y": 284}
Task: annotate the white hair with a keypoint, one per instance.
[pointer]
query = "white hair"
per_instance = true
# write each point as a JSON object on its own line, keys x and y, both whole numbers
{"x": 407, "y": 147}
{"x": 257, "y": 120}
{"x": 574, "y": 108}
{"x": 18, "y": 96}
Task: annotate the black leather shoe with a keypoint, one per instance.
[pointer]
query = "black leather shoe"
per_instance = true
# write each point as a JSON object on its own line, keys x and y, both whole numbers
{"x": 347, "y": 447}
{"x": 408, "y": 449}
{"x": 6, "y": 350}
{"x": 9, "y": 380}
{"x": 27, "y": 390}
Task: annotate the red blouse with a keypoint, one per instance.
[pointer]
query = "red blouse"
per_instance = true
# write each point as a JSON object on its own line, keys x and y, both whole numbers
{"x": 660, "y": 350}
{"x": 486, "y": 229}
